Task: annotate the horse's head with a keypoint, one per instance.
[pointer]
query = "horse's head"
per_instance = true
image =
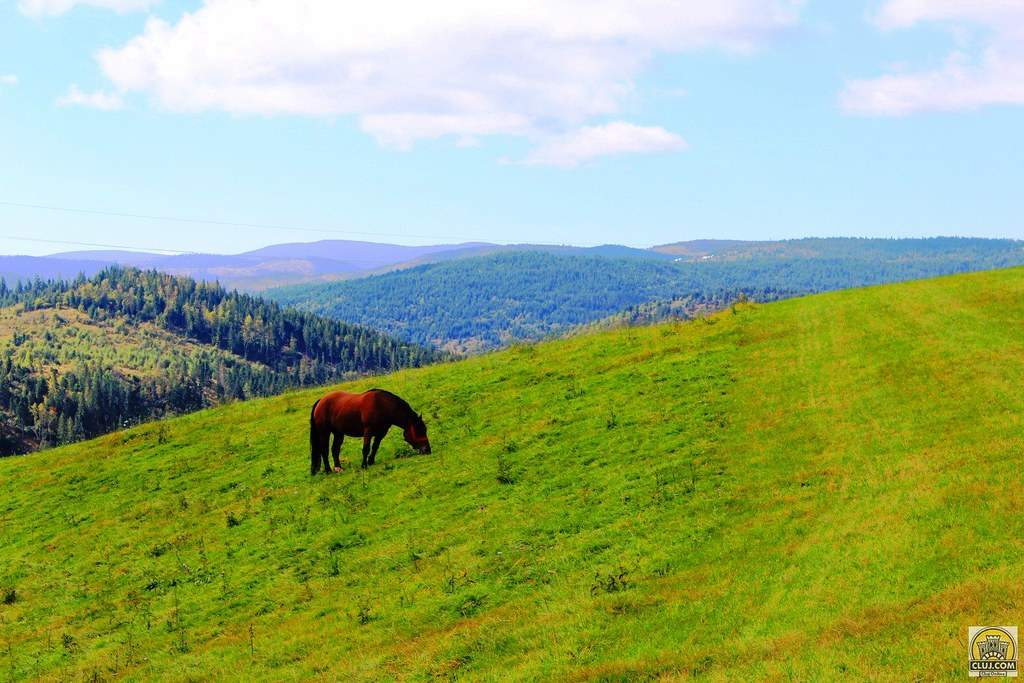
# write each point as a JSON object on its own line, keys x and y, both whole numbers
{"x": 416, "y": 435}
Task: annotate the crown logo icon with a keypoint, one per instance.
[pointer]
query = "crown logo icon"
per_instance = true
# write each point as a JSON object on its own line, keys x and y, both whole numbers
{"x": 993, "y": 647}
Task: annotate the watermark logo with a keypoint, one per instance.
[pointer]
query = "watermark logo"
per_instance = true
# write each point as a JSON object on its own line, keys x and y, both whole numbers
{"x": 992, "y": 651}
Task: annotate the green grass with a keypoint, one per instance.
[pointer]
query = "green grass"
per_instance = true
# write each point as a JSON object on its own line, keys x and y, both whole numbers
{"x": 819, "y": 488}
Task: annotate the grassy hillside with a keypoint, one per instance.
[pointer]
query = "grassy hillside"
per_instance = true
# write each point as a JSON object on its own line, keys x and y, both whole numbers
{"x": 807, "y": 490}
{"x": 473, "y": 304}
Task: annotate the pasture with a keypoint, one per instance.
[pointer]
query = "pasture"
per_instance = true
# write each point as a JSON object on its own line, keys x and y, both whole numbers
{"x": 812, "y": 489}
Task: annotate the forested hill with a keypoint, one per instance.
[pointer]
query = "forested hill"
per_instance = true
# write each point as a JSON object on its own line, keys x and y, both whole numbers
{"x": 82, "y": 358}
{"x": 484, "y": 302}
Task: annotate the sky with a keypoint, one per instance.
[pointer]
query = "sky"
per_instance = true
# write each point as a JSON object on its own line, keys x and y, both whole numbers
{"x": 636, "y": 122}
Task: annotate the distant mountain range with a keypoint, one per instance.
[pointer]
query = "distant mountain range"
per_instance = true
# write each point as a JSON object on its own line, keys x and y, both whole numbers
{"x": 285, "y": 264}
{"x": 26, "y": 268}
{"x": 327, "y": 261}
{"x": 275, "y": 265}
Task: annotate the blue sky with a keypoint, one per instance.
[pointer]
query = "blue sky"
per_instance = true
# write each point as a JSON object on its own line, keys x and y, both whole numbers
{"x": 640, "y": 122}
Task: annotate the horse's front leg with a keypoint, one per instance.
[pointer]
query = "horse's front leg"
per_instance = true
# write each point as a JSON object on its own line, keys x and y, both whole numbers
{"x": 376, "y": 444}
{"x": 336, "y": 450}
{"x": 366, "y": 449}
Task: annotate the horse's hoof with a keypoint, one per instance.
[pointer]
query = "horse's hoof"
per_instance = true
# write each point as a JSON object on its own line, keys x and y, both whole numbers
{"x": 337, "y": 469}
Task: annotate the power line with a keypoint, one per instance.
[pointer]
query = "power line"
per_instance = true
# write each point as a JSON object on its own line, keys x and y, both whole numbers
{"x": 230, "y": 224}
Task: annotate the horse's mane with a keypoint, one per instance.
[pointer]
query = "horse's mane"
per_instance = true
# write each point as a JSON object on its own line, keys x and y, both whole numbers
{"x": 401, "y": 402}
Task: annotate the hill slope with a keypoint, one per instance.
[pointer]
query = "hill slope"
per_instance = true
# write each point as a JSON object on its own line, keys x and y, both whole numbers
{"x": 480, "y": 303}
{"x": 813, "y": 489}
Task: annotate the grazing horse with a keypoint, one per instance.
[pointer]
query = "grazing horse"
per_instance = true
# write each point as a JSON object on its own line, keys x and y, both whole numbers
{"x": 369, "y": 415}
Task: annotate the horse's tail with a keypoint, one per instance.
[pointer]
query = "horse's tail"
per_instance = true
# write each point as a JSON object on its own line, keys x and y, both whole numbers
{"x": 314, "y": 439}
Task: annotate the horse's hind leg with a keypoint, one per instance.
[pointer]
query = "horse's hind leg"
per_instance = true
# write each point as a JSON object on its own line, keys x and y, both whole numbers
{"x": 317, "y": 448}
{"x": 324, "y": 447}
{"x": 336, "y": 449}
{"x": 314, "y": 465}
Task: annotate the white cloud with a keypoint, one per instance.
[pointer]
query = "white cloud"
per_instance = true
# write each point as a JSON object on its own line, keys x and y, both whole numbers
{"x": 57, "y": 7}
{"x": 95, "y": 100}
{"x": 616, "y": 138}
{"x": 8, "y": 79}
{"x": 412, "y": 70}
{"x": 896, "y": 14}
{"x": 993, "y": 76}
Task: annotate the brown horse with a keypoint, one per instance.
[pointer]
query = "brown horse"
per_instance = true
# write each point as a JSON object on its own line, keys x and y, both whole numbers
{"x": 369, "y": 415}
